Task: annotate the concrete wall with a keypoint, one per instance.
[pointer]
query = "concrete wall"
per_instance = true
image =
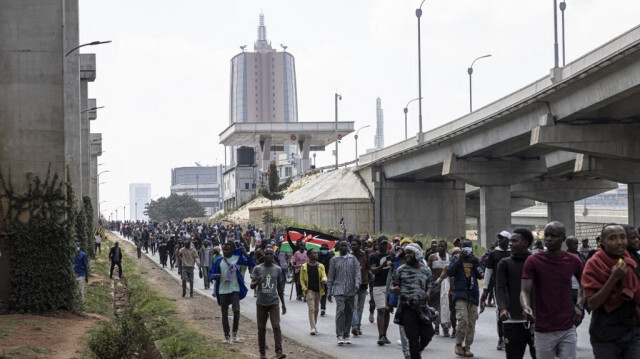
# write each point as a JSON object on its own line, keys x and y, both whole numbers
{"x": 436, "y": 209}
{"x": 357, "y": 214}
{"x": 32, "y": 86}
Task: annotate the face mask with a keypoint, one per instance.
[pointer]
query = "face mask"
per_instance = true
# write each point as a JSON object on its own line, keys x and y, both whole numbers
{"x": 467, "y": 250}
{"x": 324, "y": 251}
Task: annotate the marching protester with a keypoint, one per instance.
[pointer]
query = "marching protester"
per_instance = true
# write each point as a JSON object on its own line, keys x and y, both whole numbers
{"x": 115, "y": 256}
{"x": 518, "y": 332}
{"x": 312, "y": 279}
{"x": 546, "y": 276}
{"x": 437, "y": 262}
{"x": 612, "y": 289}
{"x": 361, "y": 296}
{"x": 230, "y": 288}
{"x": 411, "y": 281}
{"x": 343, "y": 282}
{"x": 501, "y": 251}
{"x": 325, "y": 259}
{"x": 188, "y": 259}
{"x": 206, "y": 253}
{"x": 380, "y": 263}
{"x": 465, "y": 270}
{"x": 268, "y": 279}
{"x": 81, "y": 269}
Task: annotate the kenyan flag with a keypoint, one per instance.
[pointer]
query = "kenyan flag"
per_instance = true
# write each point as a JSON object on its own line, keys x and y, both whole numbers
{"x": 312, "y": 239}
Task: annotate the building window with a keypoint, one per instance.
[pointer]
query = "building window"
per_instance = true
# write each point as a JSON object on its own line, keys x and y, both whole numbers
{"x": 246, "y": 186}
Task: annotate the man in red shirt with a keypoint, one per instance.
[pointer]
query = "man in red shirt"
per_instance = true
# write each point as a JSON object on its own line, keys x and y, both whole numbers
{"x": 548, "y": 276}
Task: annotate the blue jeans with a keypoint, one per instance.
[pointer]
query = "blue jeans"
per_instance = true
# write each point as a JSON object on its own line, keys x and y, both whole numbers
{"x": 360, "y": 298}
{"x": 344, "y": 314}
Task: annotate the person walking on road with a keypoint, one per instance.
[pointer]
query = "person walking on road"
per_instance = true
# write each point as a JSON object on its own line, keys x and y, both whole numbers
{"x": 268, "y": 279}
{"x": 612, "y": 289}
{"x": 312, "y": 279}
{"x": 189, "y": 258}
{"x": 437, "y": 262}
{"x": 465, "y": 270}
{"x": 230, "y": 288}
{"x": 325, "y": 259}
{"x": 411, "y": 282}
{"x": 381, "y": 262}
{"x": 206, "y": 253}
{"x": 547, "y": 275}
{"x": 343, "y": 282}
{"x": 501, "y": 251}
{"x": 518, "y": 332}
{"x": 115, "y": 256}
{"x": 361, "y": 296}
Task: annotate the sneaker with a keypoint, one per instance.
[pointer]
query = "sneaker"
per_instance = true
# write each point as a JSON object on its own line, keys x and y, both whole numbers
{"x": 459, "y": 350}
{"x": 380, "y": 340}
{"x": 467, "y": 352}
{"x": 323, "y": 313}
{"x": 371, "y": 318}
{"x": 399, "y": 342}
{"x": 227, "y": 339}
{"x": 235, "y": 338}
{"x": 314, "y": 331}
{"x": 386, "y": 341}
{"x": 500, "y": 344}
{"x": 354, "y": 331}
{"x": 445, "y": 332}
{"x": 281, "y": 355}
{"x": 340, "y": 341}
{"x": 347, "y": 340}
{"x": 359, "y": 331}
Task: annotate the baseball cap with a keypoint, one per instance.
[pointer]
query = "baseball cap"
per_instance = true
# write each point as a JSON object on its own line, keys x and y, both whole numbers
{"x": 504, "y": 234}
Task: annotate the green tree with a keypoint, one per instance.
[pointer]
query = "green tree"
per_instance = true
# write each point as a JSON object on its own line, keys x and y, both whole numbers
{"x": 274, "y": 190}
{"x": 174, "y": 208}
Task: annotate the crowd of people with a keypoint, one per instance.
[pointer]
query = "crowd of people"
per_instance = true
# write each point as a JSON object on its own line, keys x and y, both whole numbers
{"x": 539, "y": 289}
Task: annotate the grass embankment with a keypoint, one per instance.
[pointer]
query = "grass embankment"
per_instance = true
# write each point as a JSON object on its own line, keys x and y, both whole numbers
{"x": 149, "y": 317}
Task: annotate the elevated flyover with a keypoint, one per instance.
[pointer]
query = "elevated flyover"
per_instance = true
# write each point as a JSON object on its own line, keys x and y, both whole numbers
{"x": 569, "y": 135}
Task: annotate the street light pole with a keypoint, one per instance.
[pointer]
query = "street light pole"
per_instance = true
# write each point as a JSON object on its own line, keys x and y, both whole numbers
{"x": 563, "y": 7}
{"x": 356, "y": 136}
{"x": 418, "y": 15}
{"x": 87, "y": 44}
{"x": 337, "y": 97}
{"x": 136, "y": 211}
{"x": 555, "y": 32}
{"x": 470, "y": 72}
{"x": 406, "y": 109}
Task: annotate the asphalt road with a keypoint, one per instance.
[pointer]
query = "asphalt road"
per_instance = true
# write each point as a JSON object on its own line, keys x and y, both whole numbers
{"x": 295, "y": 325}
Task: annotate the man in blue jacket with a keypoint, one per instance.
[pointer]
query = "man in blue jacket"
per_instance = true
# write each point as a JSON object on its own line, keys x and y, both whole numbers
{"x": 230, "y": 287}
{"x": 465, "y": 270}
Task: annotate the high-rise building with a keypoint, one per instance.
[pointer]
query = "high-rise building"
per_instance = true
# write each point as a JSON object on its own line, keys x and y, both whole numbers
{"x": 139, "y": 197}
{"x": 202, "y": 183}
{"x": 263, "y": 89}
{"x": 379, "y": 139}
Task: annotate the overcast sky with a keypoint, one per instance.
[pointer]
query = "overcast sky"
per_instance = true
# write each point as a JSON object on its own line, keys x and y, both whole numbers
{"x": 164, "y": 81}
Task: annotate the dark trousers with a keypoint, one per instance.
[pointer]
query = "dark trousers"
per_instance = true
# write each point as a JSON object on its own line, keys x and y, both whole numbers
{"x": 516, "y": 338}
{"x": 263, "y": 313}
{"x": 232, "y": 299}
{"x": 323, "y": 299}
{"x": 625, "y": 347}
{"x": 296, "y": 277}
{"x": 452, "y": 312}
{"x": 418, "y": 333}
{"x": 113, "y": 264}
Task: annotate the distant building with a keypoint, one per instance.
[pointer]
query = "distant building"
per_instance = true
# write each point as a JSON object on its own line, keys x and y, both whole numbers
{"x": 263, "y": 89}
{"x": 239, "y": 182}
{"x": 139, "y": 196}
{"x": 201, "y": 183}
{"x": 379, "y": 138}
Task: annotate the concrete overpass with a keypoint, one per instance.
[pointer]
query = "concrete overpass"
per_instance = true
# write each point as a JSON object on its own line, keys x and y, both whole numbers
{"x": 565, "y": 137}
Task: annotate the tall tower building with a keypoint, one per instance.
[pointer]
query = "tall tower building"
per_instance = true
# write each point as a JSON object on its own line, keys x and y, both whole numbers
{"x": 139, "y": 197}
{"x": 263, "y": 87}
{"x": 379, "y": 139}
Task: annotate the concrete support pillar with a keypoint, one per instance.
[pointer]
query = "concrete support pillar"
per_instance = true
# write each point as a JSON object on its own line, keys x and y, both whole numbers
{"x": 265, "y": 147}
{"x": 634, "y": 204}
{"x": 563, "y": 212}
{"x": 495, "y": 212}
{"x": 305, "y": 146}
{"x": 72, "y": 136}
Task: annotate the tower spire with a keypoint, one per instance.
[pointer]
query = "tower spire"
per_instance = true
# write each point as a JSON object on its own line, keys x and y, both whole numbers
{"x": 262, "y": 30}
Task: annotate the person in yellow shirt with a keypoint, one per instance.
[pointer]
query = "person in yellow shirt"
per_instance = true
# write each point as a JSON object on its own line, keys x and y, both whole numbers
{"x": 312, "y": 280}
